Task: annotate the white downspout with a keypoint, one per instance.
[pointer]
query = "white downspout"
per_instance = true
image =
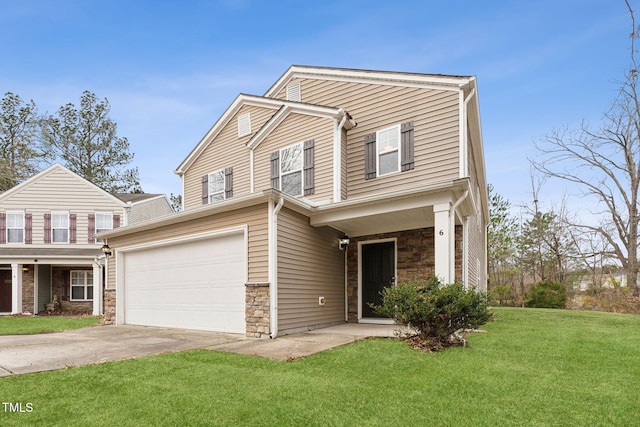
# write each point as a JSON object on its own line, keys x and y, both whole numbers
{"x": 337, "y": 156}
{"x": 452, "y": 235}
{"x": 273, "y": 266}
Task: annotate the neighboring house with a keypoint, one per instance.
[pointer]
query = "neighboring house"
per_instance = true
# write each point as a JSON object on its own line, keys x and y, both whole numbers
{"x": 48, "y": 244}
{"x": 301, "y": 205}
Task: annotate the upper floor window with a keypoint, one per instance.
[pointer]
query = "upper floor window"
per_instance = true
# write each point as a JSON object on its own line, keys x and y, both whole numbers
{"x": 60, "y": 227}
{"x": 15, "y": 227}
{"x": 81, "y": 285}
{"x": 104, "y": 222}
{"x": 291, "y": 170}
{"x": 217, "y": 186}
{"x": 244, "y": 124}
{"x": 388, "y": 150}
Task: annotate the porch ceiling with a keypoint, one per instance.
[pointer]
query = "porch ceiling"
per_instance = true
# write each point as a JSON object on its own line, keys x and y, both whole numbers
{"x": 395, "y": 212}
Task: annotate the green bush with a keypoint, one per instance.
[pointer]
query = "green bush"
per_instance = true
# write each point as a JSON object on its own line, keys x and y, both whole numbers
{"x": 433, "y": 310}
{"x": 547, "y": 294}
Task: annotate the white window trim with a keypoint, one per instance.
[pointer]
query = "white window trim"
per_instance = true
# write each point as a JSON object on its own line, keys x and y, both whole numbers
{"x": 244, "y": 124}
{"x": 399, "y": 168}
{"x": 53, "y": 213}
{"x": 110, "y": 214}
{"x": 301, "y": 170}
{"x": 85, "y": 286}
{"x": 224, "y": 185}
{"x": 15, "y": 228}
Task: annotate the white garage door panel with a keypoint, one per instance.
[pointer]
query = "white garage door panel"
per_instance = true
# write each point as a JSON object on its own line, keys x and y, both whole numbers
{"x": 193, "y": 285}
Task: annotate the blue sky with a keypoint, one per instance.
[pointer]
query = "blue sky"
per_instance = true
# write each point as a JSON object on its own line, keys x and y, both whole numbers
{"x": 171, "y": 68}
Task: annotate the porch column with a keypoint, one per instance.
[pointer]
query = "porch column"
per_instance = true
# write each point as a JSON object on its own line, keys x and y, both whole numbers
{"x": 97, "y": 289}
{"x": 16, "y": 288}
{"x": 443, "y": 241}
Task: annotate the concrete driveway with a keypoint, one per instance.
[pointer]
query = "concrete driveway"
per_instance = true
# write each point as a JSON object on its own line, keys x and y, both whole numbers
{"x": 21, "y": 354}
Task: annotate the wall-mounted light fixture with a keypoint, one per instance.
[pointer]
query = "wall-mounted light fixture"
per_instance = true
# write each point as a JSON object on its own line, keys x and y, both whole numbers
{"x": 344, "y": 242}
{"x": 106, "y": 250}
{"x": 25, "y": 269}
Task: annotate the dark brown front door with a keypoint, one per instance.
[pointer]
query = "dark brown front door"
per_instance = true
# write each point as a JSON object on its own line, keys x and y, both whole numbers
{"x": 378, "y": 272}
{"x": 5, "y": 291}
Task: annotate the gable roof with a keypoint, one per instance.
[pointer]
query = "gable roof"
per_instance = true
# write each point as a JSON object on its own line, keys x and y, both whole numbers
{"x": 437, "y": 81}
{"x": 253, "y": 100}
{"x": 57, "y": 167}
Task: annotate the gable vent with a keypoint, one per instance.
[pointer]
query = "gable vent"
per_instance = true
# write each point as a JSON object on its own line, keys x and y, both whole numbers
{"x": 244, "y": 125}
{"x": 293, "y": 92}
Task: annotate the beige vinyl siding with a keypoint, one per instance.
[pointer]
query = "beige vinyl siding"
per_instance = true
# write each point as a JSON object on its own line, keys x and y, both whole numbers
{"x": 310, "y": 265}
{"x": 294, "y": 129}
{"x": 61, "y": 190}
{"x": 227, "y": 150}
{"x": 255, "y": 217}
{"x": 375, "y": 107}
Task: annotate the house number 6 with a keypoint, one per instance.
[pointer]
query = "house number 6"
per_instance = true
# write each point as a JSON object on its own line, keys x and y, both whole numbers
{"x": 441, "y": 233}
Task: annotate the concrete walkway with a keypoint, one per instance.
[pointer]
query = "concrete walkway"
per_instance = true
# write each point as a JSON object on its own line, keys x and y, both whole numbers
{"x": 21, "y": 354}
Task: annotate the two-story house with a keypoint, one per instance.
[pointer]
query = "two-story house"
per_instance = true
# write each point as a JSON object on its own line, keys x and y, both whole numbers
{"x": 303, "y": 204}
{"x": 48, "y": 244}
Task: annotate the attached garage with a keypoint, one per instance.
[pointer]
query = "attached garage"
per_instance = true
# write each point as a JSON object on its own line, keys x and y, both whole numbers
{"x": 196, "y": 282}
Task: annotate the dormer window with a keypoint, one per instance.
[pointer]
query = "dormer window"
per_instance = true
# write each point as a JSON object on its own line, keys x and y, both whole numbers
{"x": 244, "y": 125}
{"x": 293, "y": 92}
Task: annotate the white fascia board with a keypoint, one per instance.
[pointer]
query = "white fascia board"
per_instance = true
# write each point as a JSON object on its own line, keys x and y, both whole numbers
{"x": 427, "y": 81}
{"x": 287, "y": 109}
{"x": 239, "y": 102}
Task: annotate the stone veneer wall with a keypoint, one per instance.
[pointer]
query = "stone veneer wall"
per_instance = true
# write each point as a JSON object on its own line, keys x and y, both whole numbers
{"x": 416, "y": 260}
{"x": 109, "y": 317}
{"x": 257, "y": 309}
{"x": 28, "y": 290}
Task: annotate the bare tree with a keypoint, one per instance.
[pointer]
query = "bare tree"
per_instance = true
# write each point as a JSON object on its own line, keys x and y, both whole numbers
{"x": 605, "y": 164}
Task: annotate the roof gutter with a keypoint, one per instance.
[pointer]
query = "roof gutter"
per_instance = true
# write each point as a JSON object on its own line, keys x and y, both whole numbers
{"x": 273, "y": 266}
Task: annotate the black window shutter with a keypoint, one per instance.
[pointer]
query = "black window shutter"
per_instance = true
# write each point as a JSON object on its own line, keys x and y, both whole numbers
{"x": 370, "y": 156}
{"x": 308, "y": 151}
{"x": 205, "y": 189}
{"x": 406, "y": 147}
{"x": 275, "y": 170}
{"x": 228, "y": 183}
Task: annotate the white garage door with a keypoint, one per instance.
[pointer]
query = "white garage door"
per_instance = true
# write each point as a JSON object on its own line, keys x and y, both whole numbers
{"x": 193, "y": 285}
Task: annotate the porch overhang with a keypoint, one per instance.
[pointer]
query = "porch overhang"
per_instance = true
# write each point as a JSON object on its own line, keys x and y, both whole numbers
{"x": 390, "y": 212}
{"x": 50, "y": 256}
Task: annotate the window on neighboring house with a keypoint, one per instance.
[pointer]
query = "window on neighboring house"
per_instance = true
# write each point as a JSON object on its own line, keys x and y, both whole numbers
{"x": 60, "y": 227}
{"x": 104, "y": 222}
{"x": 388, "y": 150}
{"x": 15, "y": 227}
{"x": 291, "y": 170}
{"x": 244, "y": 124}
{"x": 81, "y": 285}
{"x": 293, "y": 92}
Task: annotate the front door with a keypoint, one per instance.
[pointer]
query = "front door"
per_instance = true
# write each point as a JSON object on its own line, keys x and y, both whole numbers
{"x": 5, "y": 291}
{"x": 378, "y": 272}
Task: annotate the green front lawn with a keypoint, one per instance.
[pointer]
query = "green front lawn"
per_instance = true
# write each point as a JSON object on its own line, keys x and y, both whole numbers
{"x": 25, "y": 325}
{"x": 534, "y": 367}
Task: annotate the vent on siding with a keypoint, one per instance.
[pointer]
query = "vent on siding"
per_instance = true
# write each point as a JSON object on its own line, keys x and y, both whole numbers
{"x": 244, "y": 125}
{"x": 293, "y": 92}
